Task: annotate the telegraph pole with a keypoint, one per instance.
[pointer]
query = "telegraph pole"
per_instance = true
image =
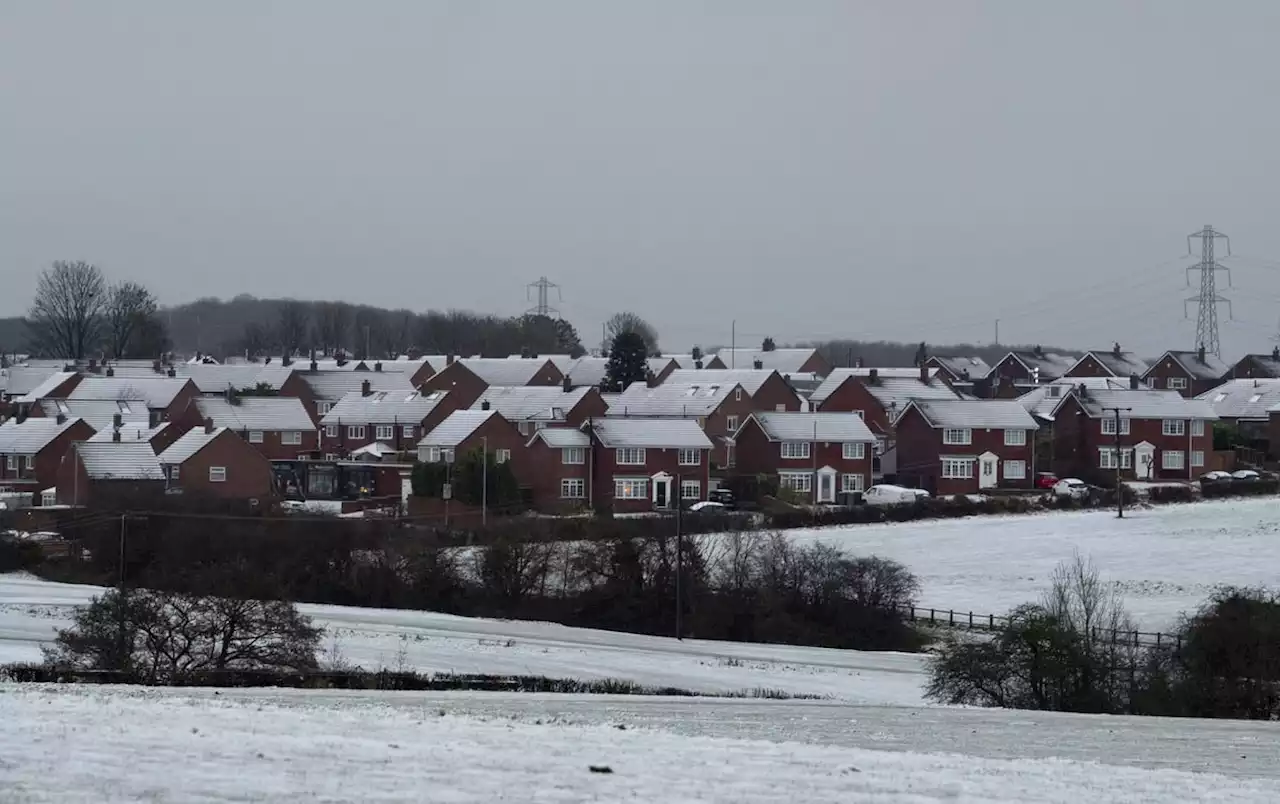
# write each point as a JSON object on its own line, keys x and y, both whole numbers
{"x": 679, "y": 563}
{"x": 544, "y": 287}
{"x": 1207, "y": 299}
{"x": 1119, "y": 462}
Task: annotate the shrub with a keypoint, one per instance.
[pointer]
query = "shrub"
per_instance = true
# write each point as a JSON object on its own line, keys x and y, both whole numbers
{"x": 1171, "y": 494}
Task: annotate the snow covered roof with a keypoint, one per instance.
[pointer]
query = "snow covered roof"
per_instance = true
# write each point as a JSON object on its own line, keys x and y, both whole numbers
{"x": 1052, "y": 365}
{"x": 837, "y": 377}
{"x": 30, "y": 436}
{"x": 189, "y": 444}
{"x": 671, "y": 399}
{"x": 650, "y": 433}
{"x": 1269, "y": 362}
{"x": 159, "y": 392}
{"x": 582, "y": 370}
{"x": 130, "y": 431}
{"x": 375, "y": 450}
{"x": 211, "y": 378}
{"x": 1143, "y": 404}
{"x": 519, "y": 403}
{"x": 384, "y": 407}
{"x": 560, "y": 437}
{"x": 784, "y": 361}
{"x": 750, "y": 379}
{"x": 840, "y": 427}
{"x": 119, "y": 460}
{"x": 505, "y": 371}
{"x": 1119, "y": 363}
{"x": 1202, "y": 366}
{"x": 1043, "y": 400}
{"x": 975, "y": 367}
{"x": 330, "y": 386}
{"x": 1244, "y": 399}
{"x": 456, "y": 428}
{"x": 992, "y": 414}
{"x": 42, "y": 389}
{"x": 100, "y": 413}
{"x": 257, "y": 413}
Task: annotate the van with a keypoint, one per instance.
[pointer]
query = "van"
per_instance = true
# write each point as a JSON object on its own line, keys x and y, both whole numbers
{"x": 886, "y": 494}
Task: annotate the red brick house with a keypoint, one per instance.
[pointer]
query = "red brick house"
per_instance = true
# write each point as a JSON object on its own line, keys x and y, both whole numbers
{"x": 278, "y": 427}
{"x": 32, "y": 382}
{"x": 1246, "y": 406}
{"x": 557, "y": 469}
{"x": 964, "y": 446}
{"x": 327, "y": 388}
{"x": 55, "y": 385}
{"x": 646, "y": 464}
{"x": 1256, "y": 367}
{"x": 30, "y": 451}
{"x": 1114, "y": 362}
{"x": 100, "y": 414}
{"x": 215, "y": 462}
{"x": 806, "y": 360}
{"x": 166, "y": 397}
{"x": 467, "y": 378}
{"x": 719, "y": 409}
{"x": 1161, "y": 435}
{"x": 879, "y": 395}
{"x": 820, "y": 455}
{"x": 533, "y": 407}
{"x": 465, "y": 430}
{"x": 1188, "y": 373}
{"x": 397, "y": 419}
{"x": 766, "y": 387}
{"x": 962, "y": 373}
{"x": 107, "y": 472}
{"x": 1026, "y": 368}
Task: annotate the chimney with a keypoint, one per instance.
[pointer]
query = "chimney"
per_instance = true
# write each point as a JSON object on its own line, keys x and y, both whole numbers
{"x": 567, "y": 384}
{"x": 117, "y": 421}
{"x": 873, "y": 376}
{"x": 1275, "y": 353}
{"x": 484, "y": 405}
{"x": 111, "y": 372}
{"x": 1039, "y": 352}
{"x": 156, "y": 367}
{"x": 1115, "y": 349}
{"x": 1133, "y": 382}
{"x": 93, "y": 365}
{"x": 314, "y": 364}
{"x": 524, "y": 352}
{"x": 757, "y": 364}
{"x": 650, "y": 379}
{"x": 1200, "y": 353}
{"x": 697, "y": 364}
{"x": 924, "y": 374}
{"x": 62, "y": 418}
{"x": 115, "y": 436}
{"x": 377, "y": 366}
{"x": 286, "y": 360}
{"x": 448, "y": 359}
{"x": 365, "y": 388}
{"x": 208, "y": 426}
{"x": 171, "y": 372}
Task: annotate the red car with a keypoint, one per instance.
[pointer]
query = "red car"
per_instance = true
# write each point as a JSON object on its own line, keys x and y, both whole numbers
{"x": 1046, "y": 480}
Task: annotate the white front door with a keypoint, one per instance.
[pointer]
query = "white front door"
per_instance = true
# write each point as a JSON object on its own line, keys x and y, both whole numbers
{"x": 826, "y": 485}
{"x": 988, "y": 468}
{"x": 1144, "y": 461}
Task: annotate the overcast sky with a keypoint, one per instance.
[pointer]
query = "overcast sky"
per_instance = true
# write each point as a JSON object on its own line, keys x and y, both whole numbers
{"x": 895, "y": 169}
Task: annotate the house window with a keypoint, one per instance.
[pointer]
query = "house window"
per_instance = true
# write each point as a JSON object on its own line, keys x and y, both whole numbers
{"x": 1177, "y": 383}
{"x": 957, "y": 436}
{"x": 11, "y": 463}
{"x": 324, "y": 407}
{"x": 217, "y": 474}
{"x": 384, "y": 432}
{"x": 47, "y": 499}
{"x": 291, "y": 438}
{"x": 331, "y": 456}
{"x": 854, "y": 451}
{"x": 501, "y": 455}
{"x": 573, "y": 488}
{"x": 851, "y": 483}
{"x": 737, "y": 394}
{"x": 690, "y": 457}
{"x": 731, "y": 424}
{"x": 795, "y": 449}
{"x": 355, "y": 432}
{"x": 573, "y": 455}
{"x": 407, "y": 431}
{"x": 631, "y": 488}
{"x": 796, "y": 481}
{"x": 255, "y": 436}
{"x": 957, "y": 468}
{"x": 1015, "y": 470}
{"x": 28, "y": 461}
{"x": 439, "y": 455}
{"x": 1173, "y": 459}
{"x": 1015, "y": 438}
{"x": 860, "y": 414}
{"x": 175, "y": 472}
{"x": 1109, "y": 426}
{"x": 331, "y": 431}
{"x": 1197, "y": 457}
{"x": 525, "y": 428}
{"x": 1107, "y": 458}
{"x": 1173, "y": 427}
{"x": 630, "y": 456}
{"x": 690, "y": 490}
{"x": 780, "y": 408}
{"x": 1197, "y": 427}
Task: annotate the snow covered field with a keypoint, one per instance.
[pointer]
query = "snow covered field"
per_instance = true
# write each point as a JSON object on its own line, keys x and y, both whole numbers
{"x": 93, "y": 744}
{"x": 1165, "y": 560}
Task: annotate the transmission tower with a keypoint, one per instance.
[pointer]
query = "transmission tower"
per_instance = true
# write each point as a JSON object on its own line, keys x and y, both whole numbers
{"x": 1208, "y": 298}
{"x": 544, "y": 287}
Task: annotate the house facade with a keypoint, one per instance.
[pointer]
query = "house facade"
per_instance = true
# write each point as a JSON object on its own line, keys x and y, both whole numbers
{"x": 557, "y": 469}
{"x": 818, "y": 456}
{"x": 110, "y": 473}
{"x": 396, "y": 419}
{"x": 1025, "y": 368}
{"x": 216, "y": 462}
{"x": 647, "y": 464}
{"x": 1257, "y": 366}
{"x": 1112, "y": 363}
{"x": 766, "y": 387}
{"x": 280, "y": 428}
{"x": 31, "y": 451}
{"x": 718, "y": 409}
{"x": 966, "y": 446}
{"x": 1189, "y": 373}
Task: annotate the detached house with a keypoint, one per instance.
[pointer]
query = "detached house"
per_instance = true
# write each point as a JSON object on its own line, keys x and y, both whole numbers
{"x": 215, "y": 462}
{"x": 819, "y": 455}
{"x": 465, "y": 430}
{"x": 531, "y": 407}
{"x": 879, "y": 395}
{"x": 962, "y": 446}
{"x": 766, "y": 387}
{"x": 278, "y": 427}
{"x": 1257, "y": 367}
{"x": 466, "y": 379}
{"x": 394, "y": 420}
{"x": 31, "y": 451}
{"x": 110, "y": 472}
{"x": 1023, "y": 369}
{"x": 1246, "y": 405}
{"x": 1188, "y": 373}
{"x": 718, "y": 409}
{"x": 1114, "y": 362}
{"x": 646, "y": 464}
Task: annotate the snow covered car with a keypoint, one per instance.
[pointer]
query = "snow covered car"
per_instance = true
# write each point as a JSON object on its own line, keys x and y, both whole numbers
{"x": 1245, "y": 474}
{"x": 1071, "y": 487}
{"x": 1216, "y": 476}
{"x": 708, "y": 507}
{"x": 888, "y": 494}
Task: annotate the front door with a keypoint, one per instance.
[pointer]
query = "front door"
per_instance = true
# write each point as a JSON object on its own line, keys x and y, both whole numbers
{"x": 826, "y": 487}
{"x": 661, "y": 493}
{"x": 1144, "y": 461}
{"x": 988, "y": 469}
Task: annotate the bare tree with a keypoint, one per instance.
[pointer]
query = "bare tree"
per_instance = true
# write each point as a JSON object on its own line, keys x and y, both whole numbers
{"x": 292, "y": 327}
{"x": 126, "y": 311}
{"x": 332, "y": 323}
{"x": 619, "y": 323}
{"x": 65, "y": 318}
{"x": 255, "y": 341}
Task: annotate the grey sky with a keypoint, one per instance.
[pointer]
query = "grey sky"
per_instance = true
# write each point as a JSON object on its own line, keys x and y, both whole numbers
{"x": 891, "y": 169}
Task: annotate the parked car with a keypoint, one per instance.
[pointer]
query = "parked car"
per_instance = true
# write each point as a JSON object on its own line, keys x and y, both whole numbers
{"x": 1245, "y": 474}
{"x": 1046, "y": 480}
{"x": 1072, "y": 487}
{"x": 708, "y": 507}
{"x": 887, "y": 494}
{"x": 722, "y": 496}
{"x": 1216, "y": 476}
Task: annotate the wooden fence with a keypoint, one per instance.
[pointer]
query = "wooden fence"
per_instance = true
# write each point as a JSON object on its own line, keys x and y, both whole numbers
{"x": 969, "y": 621}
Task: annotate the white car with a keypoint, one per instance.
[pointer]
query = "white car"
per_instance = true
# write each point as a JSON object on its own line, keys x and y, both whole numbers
{"x": 887, "y": 494}
{"x": 1072, "y": 487}
{"x": 708, "y": 506}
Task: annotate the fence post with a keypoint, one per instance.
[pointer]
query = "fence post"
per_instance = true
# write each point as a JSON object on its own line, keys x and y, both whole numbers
{"x": 970, "y": 621}
{"x": 931, "y": 617}
{"x": 1157, "y": 639}
{"x": 991, "y": 622}
{"x": 951, "y": 618}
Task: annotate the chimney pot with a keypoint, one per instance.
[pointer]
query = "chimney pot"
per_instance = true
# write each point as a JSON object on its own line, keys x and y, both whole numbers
{"x": 115, "y": 436}
{"x": 568, "y": 384}
{"x": 924, "y": 374}
{"x": 448, "y": 359}
{"x": 208, "y": 426}
{"x": 697, "y": 364}
{"x": 62, "y": 418}
{"x": 117, "y": 420}
{"x": 111, "y": 372}
{"x": 484, "y": 405}
{"x": 757, "y": 364}
{"x": 1133, "y": 382}
{"x": 873, "y": 376}
{"x": 171, "y": 372}
{"x": 377, "y": 366}
{"x": 314, "y": 365}
{"x": 365, "y": 388}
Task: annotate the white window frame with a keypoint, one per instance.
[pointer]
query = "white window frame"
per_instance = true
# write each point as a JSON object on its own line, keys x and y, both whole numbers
{"x": 573, "y": 488}
{"x": 573, "y": 456}
{"x": 407, "y": 431}
{"x": 957, "y": 436}
{"x": 1173, "y": 459}
{"x": 690, "y": 489}
{"x": 1177, "y": 383}
{"x": 323, "y": 407}
{"x": 1015, "y": 437}
{"x": 794, "y": 450}
{"x": 291, "y": 438}
{"x": 217, "y": 474}
{"x": 631, "y": 488}
{"x": 801, "y": 482}
{"x": 629, "y": 456}
{"x": 175, "y": 471}
{"x": 255, "y": 437}
{"x": 958, "y": 468}
{"x": 1019, "y": 466}
{"x": 689, "y": 457}
{"x": 383, "y": 432}
{"x": 355, "y": 432}
{"x": 852, "y": 482}
{"x": 1107, "y": 458}
{"x": 525, "y": 428}
{"x": 780, "y": 407}
{"x": 1109, "y": 425}
{"x": 331, "y": 431}
{"x": 731, "y": 424}
{"x": 1173, "y": 427}
{"x": 28, "y": 462}
{"x": 501, "y": 455}
{"x": 1197, "y": 457}
{"x": 853, "y": 451}
{"x": 331, "y": 456}
{"x": 1197, "y": 428}
{"x": 11, "y": 463}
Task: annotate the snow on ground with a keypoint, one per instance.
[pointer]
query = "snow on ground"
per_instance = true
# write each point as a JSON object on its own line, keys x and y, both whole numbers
{"x": 1165, "y": 560}
{"x": 31, "y": 609}
{"x": 94, "y": 744}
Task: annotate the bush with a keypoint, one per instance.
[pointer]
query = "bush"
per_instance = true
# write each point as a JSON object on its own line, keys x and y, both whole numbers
{"x": 18, "y": 555}
{"x": 1233, "y": 488}
{"x": 1171, "y": 494}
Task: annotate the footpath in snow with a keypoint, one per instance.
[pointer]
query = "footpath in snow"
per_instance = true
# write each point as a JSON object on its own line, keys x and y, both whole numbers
{"x": 92, "y": 744}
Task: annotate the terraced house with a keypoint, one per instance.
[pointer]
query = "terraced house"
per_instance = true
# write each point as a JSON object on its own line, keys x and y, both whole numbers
{"x": 395, "y": 421}
{"x": 278, "y": 427}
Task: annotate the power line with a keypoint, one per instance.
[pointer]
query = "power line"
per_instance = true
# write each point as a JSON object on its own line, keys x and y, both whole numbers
{"x": 544, "y": 287}
{"x": 1208, "y": 298}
